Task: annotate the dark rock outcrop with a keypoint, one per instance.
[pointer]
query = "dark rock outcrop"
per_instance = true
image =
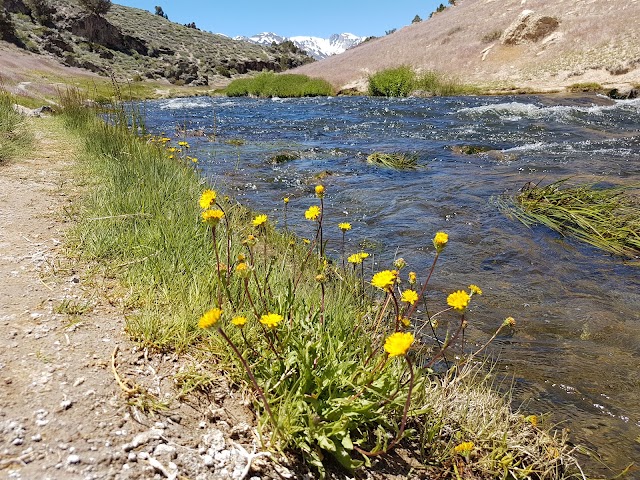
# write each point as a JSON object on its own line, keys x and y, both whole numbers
{"x": 97, "y": 29}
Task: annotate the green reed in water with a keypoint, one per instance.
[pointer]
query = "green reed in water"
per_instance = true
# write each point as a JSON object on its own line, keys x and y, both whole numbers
{"x": 607, "y": 218}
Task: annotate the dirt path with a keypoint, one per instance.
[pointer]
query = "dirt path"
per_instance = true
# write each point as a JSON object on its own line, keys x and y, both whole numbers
{"x": 62, "y": 413}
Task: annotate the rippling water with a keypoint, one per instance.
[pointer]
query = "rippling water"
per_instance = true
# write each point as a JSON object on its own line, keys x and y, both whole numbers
{"x": 577, "y": 347}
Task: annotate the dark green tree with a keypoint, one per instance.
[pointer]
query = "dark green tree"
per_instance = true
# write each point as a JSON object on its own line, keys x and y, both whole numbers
{"x": 97, "y": 7}
{"x": 416, "y": 19}
{"x": 160, "y": 12}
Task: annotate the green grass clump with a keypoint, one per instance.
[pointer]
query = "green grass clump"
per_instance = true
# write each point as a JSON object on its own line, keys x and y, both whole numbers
{"x": 15, "y": 136}
{"x": 404, "y": 81}
{"x": 393, "y": 82}
{"x": 585, "y": 87}
{"x": 338, "y": 372}
{"x": 607, "y": 218}
{"x": 269, "y": 85}
{"x": 398, "y": 160}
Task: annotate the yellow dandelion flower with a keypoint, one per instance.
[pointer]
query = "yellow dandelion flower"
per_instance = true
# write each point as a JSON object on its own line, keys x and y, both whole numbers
{"x": 321, "y": 278}
{"x": 171, "y": 157}
{"x": 239, "y": 321}
{"x": 194, "y": 160}
{"x": 172, "y": 149}
{"x": 210, "y": 318}
{"x": 271, "y": 320}
{"x": 409, "y": 296}
{"x": 306, "y": 241}
{"x": 385, "y": 280}
{"x": 398, "y": 343}
{"x": 463, "y": 448}
{"x": 412, "y": 277}
{"x": 475, "y": 289}
{"x": 319, "y": 191}
{"x": 285, "y": 200}
{"x": 458, "y": 300}
{"x": 242, "y": 269}
{"x": 345, "y": 226}
{"x": 207, "y": 198}
{"x": 440, "y": 240}
{"x": 313, "y": 213}
{"x": 184, "y": 144}
{"x": 357, "y": 257}
{"x": 509, "y": 322}
{"x": 212, "y": 217}
{"x": 259, "y": 220}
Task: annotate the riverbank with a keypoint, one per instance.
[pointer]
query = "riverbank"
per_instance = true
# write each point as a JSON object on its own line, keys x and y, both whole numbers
{"x": 190, "y": 433}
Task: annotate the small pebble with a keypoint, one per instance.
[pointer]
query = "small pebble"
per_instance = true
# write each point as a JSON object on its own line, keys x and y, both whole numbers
{"x": 73, "y": 459}
{"x": 66, "y": 404}
{"x": 37, "y": 438}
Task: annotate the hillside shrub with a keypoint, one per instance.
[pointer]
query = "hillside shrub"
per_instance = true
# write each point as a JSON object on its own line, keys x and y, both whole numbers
{"x": 268, "y": 85}
{"x": 393, "y": 82}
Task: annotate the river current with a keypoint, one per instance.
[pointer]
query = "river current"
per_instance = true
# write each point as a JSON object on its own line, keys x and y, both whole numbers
{"x": 576, "y": 351}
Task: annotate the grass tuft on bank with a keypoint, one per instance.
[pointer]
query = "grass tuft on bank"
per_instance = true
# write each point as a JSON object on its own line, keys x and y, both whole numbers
{"x": 403, "y": 81}
{"x": 268, "y": 85}
{"x": 339, "y": 366}
{"x": 15, "y": 135}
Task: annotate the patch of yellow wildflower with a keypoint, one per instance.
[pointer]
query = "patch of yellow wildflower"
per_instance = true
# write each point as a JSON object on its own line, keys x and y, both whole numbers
{"x": 385, "y": 280}
{"x": 313, "y": 213}
{"x": 259, "y": 220}
{"x": 210, "y": 318}
{"x": 458, "y": 300}
{"x": 409, "y": 296}
{"x": 207, "y": 198}
{"x": 398, "y": 344}
{"x": 440, "y": 240}
{"x": 271, "y": 320}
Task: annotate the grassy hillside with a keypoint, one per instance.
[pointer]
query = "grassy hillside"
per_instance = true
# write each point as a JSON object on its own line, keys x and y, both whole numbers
{"x": 592, "y": 42}
{"x": 135, "y": 44}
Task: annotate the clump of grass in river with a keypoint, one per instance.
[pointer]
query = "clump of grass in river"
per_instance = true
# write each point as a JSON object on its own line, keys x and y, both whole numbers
{"x": 607, "y": 218}
{"x": 335, "y": 361}
{"x": 398, "y": 160}
{"x": 288, "y": 85}
{"x": 15, "y": 136}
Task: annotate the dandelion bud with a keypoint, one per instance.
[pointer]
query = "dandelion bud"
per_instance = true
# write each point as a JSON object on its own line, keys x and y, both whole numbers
{"x": 286, "y": 200}
{"x": 440, "y": 240}
{"x": 400, "y": 263}
{"x": 239, "y": 321}
{"x": 321, "y": 278}
{"x": 412, "y": 278}
{"x": 509, "y": 322}
{"x": 320, "y": 191}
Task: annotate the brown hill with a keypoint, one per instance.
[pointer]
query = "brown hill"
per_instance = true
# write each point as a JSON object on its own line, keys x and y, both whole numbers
{"x": 501, "y": 44}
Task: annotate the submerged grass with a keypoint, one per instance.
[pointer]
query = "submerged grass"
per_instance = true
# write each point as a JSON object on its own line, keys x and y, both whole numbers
{"x": 607, "y": 218}
{"x": 15, "y": 136}
{"x": 331, "y": 359}
{"x": 398, "y": 160}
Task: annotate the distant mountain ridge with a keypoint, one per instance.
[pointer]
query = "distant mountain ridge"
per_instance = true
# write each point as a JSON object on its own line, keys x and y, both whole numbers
{"x": 315, "y": 47}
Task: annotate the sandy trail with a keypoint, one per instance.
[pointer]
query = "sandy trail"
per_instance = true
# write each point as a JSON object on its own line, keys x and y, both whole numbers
{"x": 62, "y": 413}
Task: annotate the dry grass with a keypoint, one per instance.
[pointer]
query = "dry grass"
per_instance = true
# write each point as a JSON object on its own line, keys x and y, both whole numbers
{"x": 581, "y": 52}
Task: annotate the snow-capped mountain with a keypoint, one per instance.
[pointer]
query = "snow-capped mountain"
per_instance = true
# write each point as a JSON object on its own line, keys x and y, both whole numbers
{"x": 316, "y": 47}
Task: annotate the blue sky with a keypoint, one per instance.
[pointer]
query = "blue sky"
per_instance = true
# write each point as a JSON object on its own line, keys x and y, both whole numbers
{"x": 290, "y": 18}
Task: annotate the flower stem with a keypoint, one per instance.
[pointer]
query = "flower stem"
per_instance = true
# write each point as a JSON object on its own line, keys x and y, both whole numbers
{"x": 253, "y": 379}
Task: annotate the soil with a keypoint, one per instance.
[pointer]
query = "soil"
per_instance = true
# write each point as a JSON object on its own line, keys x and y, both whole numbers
{"x": 78, "y": 400}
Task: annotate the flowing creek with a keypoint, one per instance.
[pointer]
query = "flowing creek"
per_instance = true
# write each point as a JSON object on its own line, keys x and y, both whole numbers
{"x": 576, "y": 350}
